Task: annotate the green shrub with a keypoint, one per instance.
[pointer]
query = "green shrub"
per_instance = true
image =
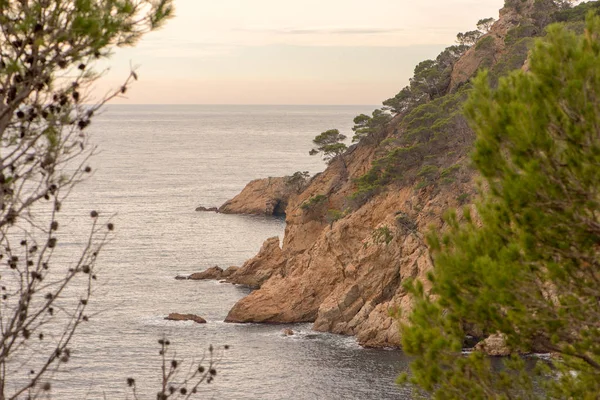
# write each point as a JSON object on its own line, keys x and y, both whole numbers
{"x": 382, "y": 235}
{"x": 334, "y": 215}
{"x": 313, "y": 202}
{"x": 463, "y": 198}
{"x": 485, "y": 43}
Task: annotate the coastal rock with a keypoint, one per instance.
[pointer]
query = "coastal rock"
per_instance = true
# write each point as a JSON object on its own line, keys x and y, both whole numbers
{"x": 213, "y": 209}
{"x": 338, "y": 275}
{"x": 257, "y": 270}
{"x": 344, "y": 258}
{"x": 212, "y": 273}
{"x": 267, "y": 196}
{"x": 230, "y": 271}
{"x": 185, "y": 317}
{"x": 494, "y": 345}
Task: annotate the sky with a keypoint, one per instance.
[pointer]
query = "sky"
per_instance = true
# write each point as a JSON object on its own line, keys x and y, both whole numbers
{"x": 289, "y": 52}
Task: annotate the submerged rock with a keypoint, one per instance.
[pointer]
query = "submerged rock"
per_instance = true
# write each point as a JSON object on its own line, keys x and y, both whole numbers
{"x": 212, "y": 209}
{"x": 288, "y": 332}
{"x": 185, "y": 317}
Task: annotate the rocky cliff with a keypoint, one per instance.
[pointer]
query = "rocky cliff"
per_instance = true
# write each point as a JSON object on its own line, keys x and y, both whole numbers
{"x": 345, "y": 257}
{"x": 267, "y": 196}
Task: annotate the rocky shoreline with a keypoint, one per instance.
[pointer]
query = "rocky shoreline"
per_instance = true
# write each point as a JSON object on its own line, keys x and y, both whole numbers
{"x": 344, "y": 259}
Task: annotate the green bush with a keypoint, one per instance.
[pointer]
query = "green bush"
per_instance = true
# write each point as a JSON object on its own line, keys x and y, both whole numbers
{"x": 485, "y": 43}
{"x": 382, "y": 235}
{"x": 313, "y": 202}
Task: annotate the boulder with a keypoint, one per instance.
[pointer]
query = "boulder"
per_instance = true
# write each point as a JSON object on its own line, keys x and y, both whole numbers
{"x": 287, "y": 332}
{"x": 185, "y": 317}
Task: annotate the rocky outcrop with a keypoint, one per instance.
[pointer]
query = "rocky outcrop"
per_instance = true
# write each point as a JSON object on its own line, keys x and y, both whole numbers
{"x": 263, "y": 266}
{"x": 208, "y": 274}
{"x": 342, "y": 265}
{"x": 213, "y": 273}
{"x": 269, "y": 196}
{"x": 348, "y": 282}
{"x": 185, "y": 317}
{"x": 205, "y": 209}
{"x": 492, "y": 45}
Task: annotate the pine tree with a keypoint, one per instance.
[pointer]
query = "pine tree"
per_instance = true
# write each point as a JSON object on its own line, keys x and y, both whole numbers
{"x": 526, "y": 265}
{"x": 330, "y": 143}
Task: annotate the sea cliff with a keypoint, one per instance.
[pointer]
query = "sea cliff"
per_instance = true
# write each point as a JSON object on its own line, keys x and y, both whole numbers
{"x": 356, "y": 232}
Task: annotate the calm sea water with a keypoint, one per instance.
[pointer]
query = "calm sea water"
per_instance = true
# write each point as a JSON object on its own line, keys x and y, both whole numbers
{"x": 155, "y": 165}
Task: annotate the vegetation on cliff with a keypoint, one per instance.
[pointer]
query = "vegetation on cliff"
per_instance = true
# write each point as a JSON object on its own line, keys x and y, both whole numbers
{"x": 526, "y": 265}
{"x": 357, "y": 230}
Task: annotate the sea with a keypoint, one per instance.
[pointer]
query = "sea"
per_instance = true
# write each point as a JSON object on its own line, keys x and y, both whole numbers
{"x": 153, "y": 166}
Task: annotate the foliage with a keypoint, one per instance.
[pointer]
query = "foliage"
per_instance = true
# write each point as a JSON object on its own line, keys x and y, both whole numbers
{"x": 485, "y": 43}
{"x": 369, "y": 127}
{"x": 47, "y": 52}
{"x": 485, "y": 24}
{"x": 383, "y": 234}
{"x": 528, "y": 266}
{"x": 463, "y": 198}
{"x": 334, "y": 215}
{"x": 430, "y": 80}
{"x": 577, "y": 13}
{"x": 468, "y": 38}
{"x": 298, "y": 180}
{"x": 313, "y": 202}
{"x": 435, "y": 130}
{"x": 330, "y": 143}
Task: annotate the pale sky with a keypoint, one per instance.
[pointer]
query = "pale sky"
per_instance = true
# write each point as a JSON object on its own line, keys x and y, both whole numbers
{"x": 290, "y": 52}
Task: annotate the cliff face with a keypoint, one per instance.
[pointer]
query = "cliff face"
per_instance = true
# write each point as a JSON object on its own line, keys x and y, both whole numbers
{"x": 345, "y": 271}
{"x": 267, "y": 196}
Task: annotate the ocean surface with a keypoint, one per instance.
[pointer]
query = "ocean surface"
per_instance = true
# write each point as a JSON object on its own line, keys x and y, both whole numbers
{"x": 153, "y": 167}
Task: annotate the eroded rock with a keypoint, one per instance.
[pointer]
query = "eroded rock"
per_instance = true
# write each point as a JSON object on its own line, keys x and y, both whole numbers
{"x": 210, "y": 209}
{"x": 267, "y": 196}
{"x": 185, "y": 317}
{"x": 212, "y": 273}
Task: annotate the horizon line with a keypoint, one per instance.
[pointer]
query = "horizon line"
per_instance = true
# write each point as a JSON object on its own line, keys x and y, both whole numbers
{"x": 239, "y": 104}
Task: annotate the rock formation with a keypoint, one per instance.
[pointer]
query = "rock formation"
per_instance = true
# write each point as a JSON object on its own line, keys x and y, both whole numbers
{"x": 342, "y": 265}
{"x": 267, "y": 196}
{"x": 209, "y": 209}
{"x": 185, "y": 317}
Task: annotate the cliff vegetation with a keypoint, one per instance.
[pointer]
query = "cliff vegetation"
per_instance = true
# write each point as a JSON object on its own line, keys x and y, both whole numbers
{"x": 355, "y": 233}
